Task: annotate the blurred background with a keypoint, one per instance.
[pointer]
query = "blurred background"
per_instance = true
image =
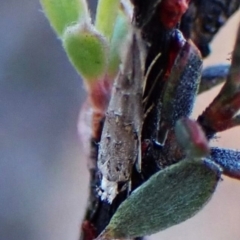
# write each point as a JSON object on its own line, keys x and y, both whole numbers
{"x": 43, "y": 177}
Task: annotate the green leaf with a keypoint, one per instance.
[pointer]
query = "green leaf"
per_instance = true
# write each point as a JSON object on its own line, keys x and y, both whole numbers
{"x": 62, "y": 13}
{"x": 87, "y": 50}
{"x": 106, "y": 16}
{"x": 169, "y": 197}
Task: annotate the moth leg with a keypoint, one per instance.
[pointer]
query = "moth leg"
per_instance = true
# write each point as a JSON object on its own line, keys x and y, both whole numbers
{"x": 127, "y": 186}
{"x": 139, "y": 158}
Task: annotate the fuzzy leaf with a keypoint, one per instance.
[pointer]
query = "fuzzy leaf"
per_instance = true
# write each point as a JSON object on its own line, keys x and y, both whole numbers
{"x": 228, "y": 159}
{"x": 87, "y": 50}
{"x": 182, "y": 84}
{"x": 169, "y": 197}
{"x": 62, "y": 13}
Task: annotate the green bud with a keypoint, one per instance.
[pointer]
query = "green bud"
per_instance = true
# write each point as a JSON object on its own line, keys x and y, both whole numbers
{"x": 169, "y": 197}
{"x": 64, "y": 13}
{"x": 107, "y": 11}
{"x": 118, "y": 39}
{"x": 87, "y": 50}
{"x": 192, "y": 138}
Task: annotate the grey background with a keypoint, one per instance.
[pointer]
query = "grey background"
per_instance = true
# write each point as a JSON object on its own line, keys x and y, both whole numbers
{"x": 43, "y": 176}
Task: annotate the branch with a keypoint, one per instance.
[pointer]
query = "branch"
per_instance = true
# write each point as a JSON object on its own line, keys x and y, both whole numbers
{"x": 222, "y": 112}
